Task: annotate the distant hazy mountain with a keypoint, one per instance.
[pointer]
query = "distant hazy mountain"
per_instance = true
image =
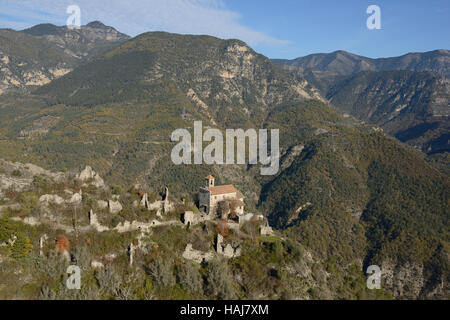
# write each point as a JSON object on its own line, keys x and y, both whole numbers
{"x": 82, "y": 43}
{"x": 409, "y": 103}
{"x": 412, "y": 106}
{"x": 36, "y": 56}
{"x": 345, "y": 63}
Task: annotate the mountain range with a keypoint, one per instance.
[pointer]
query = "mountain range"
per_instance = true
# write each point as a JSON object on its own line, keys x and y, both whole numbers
{"x": 406, "y": 96}
{"x": 348, "y": 191}
{"x": 35, "y": 56}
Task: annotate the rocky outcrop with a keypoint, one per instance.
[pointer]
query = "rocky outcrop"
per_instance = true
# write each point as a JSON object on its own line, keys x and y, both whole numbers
{"x": 48, "y": 199}
{"x": 38, "y": 55}
{"x": 89, "y": 176}
{"x": 405, "y": 281}
{"x": 18, "y": 176}
{"x": 76, "y": 198}
{"x": 97, "y": 264}
{"x": 131, "y": 253}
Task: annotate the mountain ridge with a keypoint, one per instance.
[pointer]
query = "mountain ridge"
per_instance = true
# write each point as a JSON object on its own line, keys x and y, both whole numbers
{"x": 37, "y": 55}
{"x": 408, "y": 96}
{"x": 345, "y": 63}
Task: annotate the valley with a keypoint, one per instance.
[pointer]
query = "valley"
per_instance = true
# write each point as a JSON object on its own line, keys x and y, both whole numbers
{"x": 362, "y": 180}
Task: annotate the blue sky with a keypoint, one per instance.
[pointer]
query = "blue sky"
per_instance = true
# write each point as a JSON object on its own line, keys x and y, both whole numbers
{"x": 278, "y": 29}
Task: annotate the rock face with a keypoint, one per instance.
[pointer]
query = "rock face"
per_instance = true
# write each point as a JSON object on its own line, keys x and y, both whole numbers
{"x": 167, "y": 206}
{"x": 36, "y": 56}
{"x": 51, "y": 199}
{"x": 241, "y": 73}
{"x": 24, "y": 175}
{"x": 131, "y": 252}
{"x": 396, "y": 279}
{"x": 42, "y": 241}
{"x": 412, "y": 106}
{"x": 266, "y": 230}
{"x": 216, "y": 75}
{"x": 408, "y": 281}
{"x": 82, "y": 43}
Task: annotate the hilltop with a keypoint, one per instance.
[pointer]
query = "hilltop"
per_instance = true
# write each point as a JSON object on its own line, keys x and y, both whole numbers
{"x": 35, "y": 56}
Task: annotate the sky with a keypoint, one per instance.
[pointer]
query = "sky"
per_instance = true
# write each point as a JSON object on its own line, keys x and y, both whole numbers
{"x": 278, "y": 29}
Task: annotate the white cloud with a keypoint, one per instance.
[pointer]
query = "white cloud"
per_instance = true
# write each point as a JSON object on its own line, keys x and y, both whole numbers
{"x": 137, "y": 16}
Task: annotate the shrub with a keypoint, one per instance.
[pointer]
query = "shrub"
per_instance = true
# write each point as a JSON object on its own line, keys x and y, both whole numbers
{"x": 277, "y": 249}
{"x": 161, "y": 273}
{"x": 28, "y": 201}
{"x": 109, "y": 281}
{"x": 21, "y": 248}
{"x": 190, "y": 279}
{"x": 219, "y": 280}
{"x": 16, "y": 173}
{"x": 62, "y": 243}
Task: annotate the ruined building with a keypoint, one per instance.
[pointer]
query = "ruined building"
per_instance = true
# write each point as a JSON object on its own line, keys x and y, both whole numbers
{"x": 211, "y": 195}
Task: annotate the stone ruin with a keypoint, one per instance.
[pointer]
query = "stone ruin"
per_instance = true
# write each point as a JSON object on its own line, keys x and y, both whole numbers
{"x": 160, "y": 206}
{"x": 42, "y": 241}
{"x": 93, "y": 221}
{"x": 189, "y": 218}
{"x": 228, "y": 251}
{"x": 53, "y": 199}
{"x": 196, "y": 255}
{"x": 114, "y": 206}
{"x": 131, "y": 252}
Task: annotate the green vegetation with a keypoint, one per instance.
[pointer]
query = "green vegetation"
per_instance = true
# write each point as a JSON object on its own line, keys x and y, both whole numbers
{"x": 352, "y": 197}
